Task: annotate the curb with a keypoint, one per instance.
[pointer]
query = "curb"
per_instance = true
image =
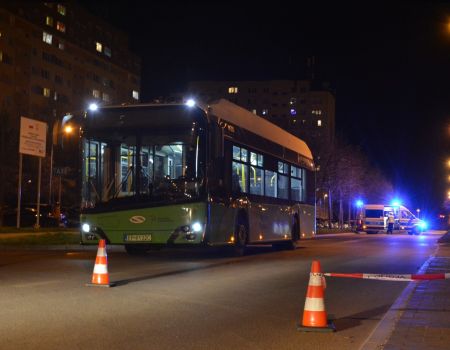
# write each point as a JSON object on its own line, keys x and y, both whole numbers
{"x": 378, "y": 338}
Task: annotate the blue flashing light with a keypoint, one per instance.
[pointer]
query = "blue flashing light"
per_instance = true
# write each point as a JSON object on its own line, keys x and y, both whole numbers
{"x": 423, "y": 225}
{"x": 359, "y": 203}
{"x": 396, "y": 203}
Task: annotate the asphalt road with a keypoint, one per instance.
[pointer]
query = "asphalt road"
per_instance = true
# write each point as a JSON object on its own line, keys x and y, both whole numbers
{"x": 182, "y": 299}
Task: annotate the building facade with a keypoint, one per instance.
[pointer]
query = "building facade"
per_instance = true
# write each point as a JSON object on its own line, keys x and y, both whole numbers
{"x": 291, "y": 104}
{"x": 57, "y": 58}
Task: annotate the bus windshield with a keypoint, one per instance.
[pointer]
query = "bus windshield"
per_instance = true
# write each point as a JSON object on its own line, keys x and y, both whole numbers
{"x": 148, "y": 164}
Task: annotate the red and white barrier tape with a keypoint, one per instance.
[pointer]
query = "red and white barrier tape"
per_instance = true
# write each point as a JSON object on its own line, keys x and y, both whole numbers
{"x": 392, "y": 277}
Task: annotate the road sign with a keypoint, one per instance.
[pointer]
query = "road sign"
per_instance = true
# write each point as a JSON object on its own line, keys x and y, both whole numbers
{"x": 33, "y": 135}
{"x": 61, "y": 171}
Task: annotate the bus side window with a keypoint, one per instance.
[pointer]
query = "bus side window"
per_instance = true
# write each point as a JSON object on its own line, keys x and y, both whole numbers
{"x": 235, "y": 186}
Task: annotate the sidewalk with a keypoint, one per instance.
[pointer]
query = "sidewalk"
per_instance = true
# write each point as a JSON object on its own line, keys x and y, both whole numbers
{"x": 422, "y": 319}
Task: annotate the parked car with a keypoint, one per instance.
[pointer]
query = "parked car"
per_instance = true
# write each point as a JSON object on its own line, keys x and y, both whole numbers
{"x": 28, "y": 215}
{"x": 72, "y": 216}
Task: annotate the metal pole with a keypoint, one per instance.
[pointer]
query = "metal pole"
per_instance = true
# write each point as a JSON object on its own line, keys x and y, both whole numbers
{"x": 50, "y": 199}
{"x": 39, "y": 193}
{"x": 19, "y": 191}
{"x": 60, "y": 190}
{"x": 315, "y": 199}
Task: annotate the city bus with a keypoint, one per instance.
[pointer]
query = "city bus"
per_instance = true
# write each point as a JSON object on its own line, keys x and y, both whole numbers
{"x": 156, "y": 175}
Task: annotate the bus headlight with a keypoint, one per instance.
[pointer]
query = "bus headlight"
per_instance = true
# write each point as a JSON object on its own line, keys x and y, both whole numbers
{"x": 86, "y": 228}
{"x": 196, "y": 227}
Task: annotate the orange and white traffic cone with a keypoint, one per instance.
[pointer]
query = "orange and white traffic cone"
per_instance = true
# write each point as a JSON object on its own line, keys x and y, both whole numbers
{"x": 314, "y": 314}
{"x": 100, "y": 276}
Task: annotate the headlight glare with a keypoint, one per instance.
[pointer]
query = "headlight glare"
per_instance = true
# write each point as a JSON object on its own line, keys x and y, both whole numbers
{"x": 196, "y": 227}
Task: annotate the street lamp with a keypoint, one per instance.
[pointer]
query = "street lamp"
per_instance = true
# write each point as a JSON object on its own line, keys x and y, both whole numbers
{"x": 68, "y": 129}
{"x": 60, "y": 129}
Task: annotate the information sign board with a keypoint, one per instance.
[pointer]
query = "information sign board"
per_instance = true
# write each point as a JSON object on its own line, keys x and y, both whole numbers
{"x": 33, "y": 135}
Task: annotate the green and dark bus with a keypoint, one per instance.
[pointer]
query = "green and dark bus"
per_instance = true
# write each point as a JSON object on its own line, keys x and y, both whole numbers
{"x": 156, "y": 175}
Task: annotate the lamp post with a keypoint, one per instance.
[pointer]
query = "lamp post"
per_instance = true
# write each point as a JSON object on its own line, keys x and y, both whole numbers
{"x": 60, "y": 129}
{"x": 316, "y": 170}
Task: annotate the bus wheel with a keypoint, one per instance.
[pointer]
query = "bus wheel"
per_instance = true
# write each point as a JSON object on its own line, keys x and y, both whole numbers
{"x": 136, "y": 249}
{"x": 240, "y": 239}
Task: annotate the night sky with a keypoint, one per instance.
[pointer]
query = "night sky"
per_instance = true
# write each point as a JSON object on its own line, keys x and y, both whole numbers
{"x": 388, "y": 63}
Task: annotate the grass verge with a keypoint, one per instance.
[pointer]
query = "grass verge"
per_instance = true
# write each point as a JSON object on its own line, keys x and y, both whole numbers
{"x": 55, "y": 237}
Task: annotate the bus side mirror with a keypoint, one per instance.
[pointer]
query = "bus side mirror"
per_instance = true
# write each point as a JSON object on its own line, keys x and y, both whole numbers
{"x": 217, "y": 139}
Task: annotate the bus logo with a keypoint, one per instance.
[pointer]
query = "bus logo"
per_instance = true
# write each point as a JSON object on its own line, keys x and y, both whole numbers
{"x": 137, "y": 219}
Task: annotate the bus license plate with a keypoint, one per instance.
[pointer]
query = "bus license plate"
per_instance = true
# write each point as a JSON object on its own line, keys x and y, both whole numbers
{"x": 138, "y": 237}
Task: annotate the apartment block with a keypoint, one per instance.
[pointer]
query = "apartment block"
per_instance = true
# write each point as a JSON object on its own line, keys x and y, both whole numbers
{"x": 56, "y": 58}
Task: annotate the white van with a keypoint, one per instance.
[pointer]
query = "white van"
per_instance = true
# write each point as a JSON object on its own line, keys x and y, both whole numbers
{"x": 374, "y": 218}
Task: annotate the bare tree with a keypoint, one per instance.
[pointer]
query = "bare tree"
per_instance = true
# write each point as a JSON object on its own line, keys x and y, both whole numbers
{"x": 346, "y": 174}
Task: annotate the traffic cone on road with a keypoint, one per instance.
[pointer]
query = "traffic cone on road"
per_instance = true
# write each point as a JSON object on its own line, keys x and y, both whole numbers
{"x": 314, "y": 314}
{"x": 100, "y": 276}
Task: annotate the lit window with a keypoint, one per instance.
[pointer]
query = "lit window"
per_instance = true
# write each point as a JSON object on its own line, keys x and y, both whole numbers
{"x": 319, "y": 122}
{"x": 49, "y": 21}
{"x": 233, "y": 90}
{"x": 61, "y": 45}
{"x": 1, "y": 56}
{"x": 107, "y": 51}
{"x": 135, "y": 94}
{"x": 46, "y": 92}
{"x": 61, "y": 10}
{"x": 106, "y": 97}
{"x": 61, "y": 27}
{"x": 270, "y": 183}
{"x": 254, "y": 111}
{"x": 98, "y": 46}
{"x": 96, "y": 93}
{"x": 55, "y": 96}
{"x": 47, "y": 38}
{"x": 256, "y": 159}
{"x": 283, "y": 168}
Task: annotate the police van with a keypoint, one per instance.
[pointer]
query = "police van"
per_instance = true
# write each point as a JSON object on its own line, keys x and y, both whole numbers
{"x": 374, "y": 217}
